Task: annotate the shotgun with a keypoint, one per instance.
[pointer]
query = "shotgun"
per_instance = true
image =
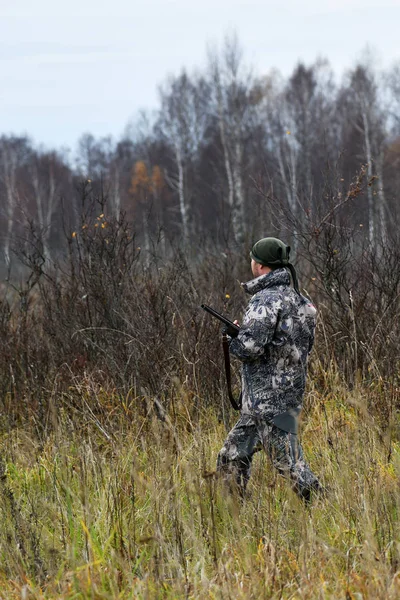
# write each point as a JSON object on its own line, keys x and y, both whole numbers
{"x": 229, "y": 327}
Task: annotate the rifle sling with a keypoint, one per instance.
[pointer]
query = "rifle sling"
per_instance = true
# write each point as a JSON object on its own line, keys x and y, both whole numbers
{"x": 237, "y": 405}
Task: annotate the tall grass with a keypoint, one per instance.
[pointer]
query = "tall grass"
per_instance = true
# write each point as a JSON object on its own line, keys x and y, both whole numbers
{"x": 113, "y": 410}
{"x": 139, "y": 513}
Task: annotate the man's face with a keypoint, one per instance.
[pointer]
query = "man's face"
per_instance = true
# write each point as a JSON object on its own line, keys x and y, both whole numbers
{"x": 258, "y": 269}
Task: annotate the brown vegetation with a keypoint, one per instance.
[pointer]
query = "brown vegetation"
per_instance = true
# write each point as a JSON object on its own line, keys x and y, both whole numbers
{"x": 113, "y": 409}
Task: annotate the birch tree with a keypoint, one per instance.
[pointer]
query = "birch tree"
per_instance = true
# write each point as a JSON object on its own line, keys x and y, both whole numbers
{"x": 310, "y": 112}
{"x": 280, "y": 140}
{"x": 13, "y": 152}
{"x": 183, "y": 122}
{"x": 392, "y": 80}
{"x": 368, "y": 116}
{"x": 234, "y": 100}
{"x": 45, "y": 178}
{"x": 100, "y": 162}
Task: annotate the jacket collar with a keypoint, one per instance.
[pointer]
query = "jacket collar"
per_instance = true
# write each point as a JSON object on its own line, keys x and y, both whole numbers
{"x": 269, "y": 280}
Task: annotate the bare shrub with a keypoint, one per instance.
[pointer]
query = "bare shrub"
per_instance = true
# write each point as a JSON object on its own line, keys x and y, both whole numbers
{"x": 132, "y": 318}
{"x": 354, "y": 283}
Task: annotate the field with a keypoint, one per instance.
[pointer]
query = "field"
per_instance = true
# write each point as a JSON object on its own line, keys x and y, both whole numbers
{"x": 113, "y": 410}
{"x": 135, "y": 510}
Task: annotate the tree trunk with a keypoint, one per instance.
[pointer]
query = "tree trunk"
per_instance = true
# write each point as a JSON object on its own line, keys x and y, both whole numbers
{"x": 184, "y": 210}
{"x": 9, "y": 160}
{"x": 238, "y": 209}
{"x": 382, "y": 200}
{"x": 44, "y": 207}
{"x": 116, "y": 194}
{"x": 368, "y": 153}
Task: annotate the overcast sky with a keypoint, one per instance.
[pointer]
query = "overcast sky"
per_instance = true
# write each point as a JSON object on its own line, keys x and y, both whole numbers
{"x": 90, "y": 65}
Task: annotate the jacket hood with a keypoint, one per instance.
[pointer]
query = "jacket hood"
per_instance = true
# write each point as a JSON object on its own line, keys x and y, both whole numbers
{"x": 269, "y": 280}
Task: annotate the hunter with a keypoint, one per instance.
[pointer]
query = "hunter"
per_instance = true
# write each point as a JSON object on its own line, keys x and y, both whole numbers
{"x": 273, "y": 344}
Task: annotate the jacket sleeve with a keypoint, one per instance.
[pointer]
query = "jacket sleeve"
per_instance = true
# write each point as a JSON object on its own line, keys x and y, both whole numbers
{"x": 311, "y": 319}
{"x": 257, "y": 330}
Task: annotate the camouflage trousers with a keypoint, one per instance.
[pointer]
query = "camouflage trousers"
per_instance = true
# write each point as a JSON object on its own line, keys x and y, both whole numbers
{"x": 250, "y": 435}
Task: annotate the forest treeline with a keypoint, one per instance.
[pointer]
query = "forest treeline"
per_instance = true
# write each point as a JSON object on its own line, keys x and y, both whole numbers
{"x": 226, "y": 152}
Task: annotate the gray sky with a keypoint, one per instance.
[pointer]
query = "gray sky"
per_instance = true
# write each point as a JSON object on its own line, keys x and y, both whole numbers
{"x": 89, "y": 66}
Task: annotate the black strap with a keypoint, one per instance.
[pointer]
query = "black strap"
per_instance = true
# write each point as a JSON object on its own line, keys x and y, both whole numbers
{"x": 294, "y": 277}
{"x": 237, "y": 405}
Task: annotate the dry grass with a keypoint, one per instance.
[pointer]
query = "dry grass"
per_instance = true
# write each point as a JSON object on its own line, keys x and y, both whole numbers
{"x": 138, "y": 513}
{"x": 112, "y": 416}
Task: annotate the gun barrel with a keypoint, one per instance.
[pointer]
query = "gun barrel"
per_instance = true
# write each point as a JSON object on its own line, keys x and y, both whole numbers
{"x": 231, "y": 328}
{"x": 211, "y": 311}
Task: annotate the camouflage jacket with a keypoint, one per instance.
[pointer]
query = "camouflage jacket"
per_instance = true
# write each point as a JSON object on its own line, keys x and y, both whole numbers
{"x": 274, "y": 341}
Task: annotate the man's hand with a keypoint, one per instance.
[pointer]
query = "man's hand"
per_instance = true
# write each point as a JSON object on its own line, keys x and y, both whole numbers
{"x": 235, "y": 322}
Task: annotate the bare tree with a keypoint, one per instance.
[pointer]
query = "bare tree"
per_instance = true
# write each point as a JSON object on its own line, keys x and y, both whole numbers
{"x": 13, "y": 152}
{"x": 366, "y": 111}
{"x": 100, "y": 162}
{"x": 235, "y": 97}
{"x": 281, "y": 141}
{"x": 45, "y": 176}
{"x": 298, "y": 122}
{"x": 392, "y": 81}
{"x": 183, "y": 122}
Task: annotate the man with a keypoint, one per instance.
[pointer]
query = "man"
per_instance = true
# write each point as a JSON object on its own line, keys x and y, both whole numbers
{"x": 273, "y": 344}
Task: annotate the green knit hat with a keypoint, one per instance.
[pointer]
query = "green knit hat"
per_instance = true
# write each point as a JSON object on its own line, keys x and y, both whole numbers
{"x": 274, "y": 253}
